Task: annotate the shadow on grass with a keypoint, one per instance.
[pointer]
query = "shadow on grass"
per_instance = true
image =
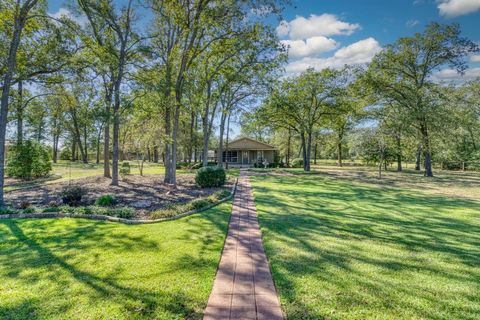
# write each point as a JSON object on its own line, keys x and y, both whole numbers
{"x": 52, "y": 256}
{"x": 337, "y": 232}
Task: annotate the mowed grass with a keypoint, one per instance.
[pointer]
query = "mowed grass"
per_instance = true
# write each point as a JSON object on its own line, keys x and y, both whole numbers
{"x": 82, "y": 269}
{"x": 344, "y": 249}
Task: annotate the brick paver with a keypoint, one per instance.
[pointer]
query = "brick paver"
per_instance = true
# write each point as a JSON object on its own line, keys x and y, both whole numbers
{"x": 243, "y": 287}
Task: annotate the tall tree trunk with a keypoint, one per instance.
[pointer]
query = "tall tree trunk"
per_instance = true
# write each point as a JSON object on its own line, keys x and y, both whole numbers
{"x": 74, "y": 149}
{"x": 99, "y": 137}
{"x": 315, "y": 153}
{"x": 20, "y": 113}
{"x": 155, "y": 154}
{"x": 418, "y": 157}
{"x": 55, "y": 148}
{"x": 220, "y": 141}
{"x": 339, "y": 153}
{"x": 308, "y": 151}
{"x": 206, "y": 127}
{"x": 399, "y": 153}
{"x": 173, "y": 165}
{"x": 426, "y": 151}
{"x": 380, "y": 164}
{"x": 106, "y": 134}
{"x": 191, "y": 142}
{"x": 77, "y": 136}
{"x": 116, "y": 114}
{"x": 11, "y": 65}
{"x": 167, "y": 160}
{"x": 289, "y": 143}
{"x": 116, "y": 136}
{"x": 226, "y": 141}
{"x": 304, "y": 150}
{"x": 85, "y": 141}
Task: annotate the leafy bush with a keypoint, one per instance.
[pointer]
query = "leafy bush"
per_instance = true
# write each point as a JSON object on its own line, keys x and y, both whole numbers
{"x": 123, "y": 212}
{"x": 29, "y": 210}
{"x": 124, "y": 169}
{"x": 72, "y": 195}
{"x": 297, "y": 163}
{"x": 201, "y": 203}
{"x": 207, "y": 177}
{"x": 7, "y": 210}
{"x": 28, "y": 160}
{"x": 107, "y": 200}
{"x": 65, "y": 154}
{"x": 51, "y": 209}
{"x": 183, "y": 165}
{"x": 219, "y": 195}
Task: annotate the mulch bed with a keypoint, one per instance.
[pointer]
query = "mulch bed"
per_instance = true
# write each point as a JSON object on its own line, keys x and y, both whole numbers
{"x": 144, "y": 193}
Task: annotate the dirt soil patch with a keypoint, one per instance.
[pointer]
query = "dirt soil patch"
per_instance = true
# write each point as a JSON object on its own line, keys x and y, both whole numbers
{"x": 144, "y": 193}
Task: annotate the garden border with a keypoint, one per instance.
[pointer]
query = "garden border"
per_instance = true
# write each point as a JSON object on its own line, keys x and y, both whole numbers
{"x": 99, "y": 217}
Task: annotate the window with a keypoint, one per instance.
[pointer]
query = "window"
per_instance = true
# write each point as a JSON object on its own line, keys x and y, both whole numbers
{"x": 231, "y": 156}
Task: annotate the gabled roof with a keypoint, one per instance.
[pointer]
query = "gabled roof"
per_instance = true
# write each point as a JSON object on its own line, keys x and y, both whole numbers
{"x": 249, "y": 144}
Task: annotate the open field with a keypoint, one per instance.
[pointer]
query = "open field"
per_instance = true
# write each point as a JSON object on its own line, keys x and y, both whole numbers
{"x": 79, "y": 269}
{"x": 344, "y": 245}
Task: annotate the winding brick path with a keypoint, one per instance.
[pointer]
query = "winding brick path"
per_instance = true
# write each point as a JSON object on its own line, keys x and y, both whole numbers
{"x": 243, "y": 287}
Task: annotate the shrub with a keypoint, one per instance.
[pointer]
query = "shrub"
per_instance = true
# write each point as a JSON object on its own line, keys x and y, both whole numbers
{"x": 107, "y": 200}
{"x": 219, "y": 195}
{"x": 29, "y": 210}
{"x": 207, "y": 177}
{"x": 51, "y": 209}
{"x": 183, "y": 165}
{"x": 124, "y": 169}
{"x": 164, "y": 213}
{"x": 201, "y": 203}
{"x": 72, "y": 195}
{"x": 7, "y": 210}
{"x": 28, "y": 160}
{"x": 297, "y": 163}
{"x": 123, "y": 212}
{"x": 65, "y": 154}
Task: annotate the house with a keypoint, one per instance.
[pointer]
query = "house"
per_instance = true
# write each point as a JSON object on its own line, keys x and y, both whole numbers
{"x": 245, "y": 152}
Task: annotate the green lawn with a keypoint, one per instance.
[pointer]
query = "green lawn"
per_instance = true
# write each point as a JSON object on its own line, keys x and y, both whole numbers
{"x": 395, "y": 249}
{"x": 81, "y": 269}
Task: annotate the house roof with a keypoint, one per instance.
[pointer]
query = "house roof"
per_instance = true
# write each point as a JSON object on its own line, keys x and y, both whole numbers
{"x": 249, "y": 144}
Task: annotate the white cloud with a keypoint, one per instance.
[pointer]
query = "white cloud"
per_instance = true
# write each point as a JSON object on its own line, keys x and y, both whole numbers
{"x": 357, "y": 53}
{"x": 412, "y": 23}
{"x": 63, "y": 12}
{"x": 453, "y": 75}
{"x": 454, "y": 8}
{"x": 314, "y": 26}
{"x": 475, "y": 58}
{"x": 310, "y": 47}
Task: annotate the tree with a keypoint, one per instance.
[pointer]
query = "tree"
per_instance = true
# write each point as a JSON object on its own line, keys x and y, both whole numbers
{"x": 121, "y": 47}
{"x": 301, "y": 104}
{"x": 402, "y": 74}
{"x": 21, "y": 15}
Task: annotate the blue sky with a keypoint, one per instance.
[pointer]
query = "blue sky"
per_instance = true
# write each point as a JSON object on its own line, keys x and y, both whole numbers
{"x": 331, "y": 33}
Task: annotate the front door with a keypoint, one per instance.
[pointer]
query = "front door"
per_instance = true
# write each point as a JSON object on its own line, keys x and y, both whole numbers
{"x": 245, "y": 157}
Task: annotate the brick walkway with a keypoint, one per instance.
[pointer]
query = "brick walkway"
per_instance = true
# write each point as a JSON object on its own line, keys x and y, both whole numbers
{"x": 243, "y": 287}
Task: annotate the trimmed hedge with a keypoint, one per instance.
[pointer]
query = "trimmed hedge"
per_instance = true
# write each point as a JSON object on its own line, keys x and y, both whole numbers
{"x": 208, "y": 177}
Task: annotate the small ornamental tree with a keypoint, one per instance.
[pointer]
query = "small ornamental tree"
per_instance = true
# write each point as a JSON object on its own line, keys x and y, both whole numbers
{"x": 28, "y": 160}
